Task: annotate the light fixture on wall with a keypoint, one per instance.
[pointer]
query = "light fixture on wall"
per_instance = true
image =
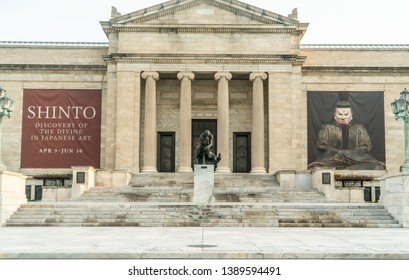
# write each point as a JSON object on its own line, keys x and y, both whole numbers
{"x": 6, "y": 107}
{"x": 400, "y": 110}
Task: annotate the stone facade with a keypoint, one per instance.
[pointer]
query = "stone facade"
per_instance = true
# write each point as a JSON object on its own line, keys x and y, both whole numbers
{"x": 169, "y": 64}
{"x": 11, "y": 193}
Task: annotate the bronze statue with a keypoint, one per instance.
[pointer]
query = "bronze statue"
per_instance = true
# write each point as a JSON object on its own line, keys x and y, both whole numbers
{"x": 203, "y": 153}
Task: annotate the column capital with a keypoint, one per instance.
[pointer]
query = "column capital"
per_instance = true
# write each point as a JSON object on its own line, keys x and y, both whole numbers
{"x": 256, "y": 75}
{"x": 189, "y": 75}
{"x": 219, "y": 75}
{"x": 153, "y": 74}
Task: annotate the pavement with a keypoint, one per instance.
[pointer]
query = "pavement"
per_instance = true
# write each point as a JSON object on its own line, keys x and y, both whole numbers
{"x": 203, "y": 243}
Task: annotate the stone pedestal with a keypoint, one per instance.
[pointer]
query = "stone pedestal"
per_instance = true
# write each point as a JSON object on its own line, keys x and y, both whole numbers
{"x": 324, "y": 181}
{"x": 112, "y": 178}
{"x": 203, "y": 184}
{"x": 83, "y": 179}
{"x": 55, "y": 193}
{"x": 12, "y": 193}
{"x": 286, "y": 178}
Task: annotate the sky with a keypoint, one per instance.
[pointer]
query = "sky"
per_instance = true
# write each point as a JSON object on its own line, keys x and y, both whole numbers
{"x": 330, "y": 21}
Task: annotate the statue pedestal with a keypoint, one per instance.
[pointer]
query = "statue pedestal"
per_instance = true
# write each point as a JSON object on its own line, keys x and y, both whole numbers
{"x": 203, "y": 184}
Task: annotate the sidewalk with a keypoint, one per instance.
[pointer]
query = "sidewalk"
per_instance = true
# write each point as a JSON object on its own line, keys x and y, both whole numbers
{"x": 202, "y": 243}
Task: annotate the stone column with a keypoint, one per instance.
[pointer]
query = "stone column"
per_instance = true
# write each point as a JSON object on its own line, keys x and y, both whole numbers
{"x": 257, "y": 135}
{"x": 223, "y": 127}
{"x": 185, "y": 112}
{"x": 149, "y": 132}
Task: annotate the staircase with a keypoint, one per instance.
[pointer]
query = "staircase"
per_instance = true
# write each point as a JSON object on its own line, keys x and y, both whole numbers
{"x": 164, "y": 200}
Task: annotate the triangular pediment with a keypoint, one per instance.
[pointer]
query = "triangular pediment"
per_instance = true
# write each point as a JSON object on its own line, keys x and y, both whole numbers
{"x": 202, "y": 12}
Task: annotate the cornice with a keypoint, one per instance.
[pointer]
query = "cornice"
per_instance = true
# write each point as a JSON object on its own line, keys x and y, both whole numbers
{"x": 354, "y": 71}
{"x": 53, "y": 69}
{"x": 353, "y": 47}
{"x": 209, "y": 29}
{"x": 104, "y": 45}
{"x": 65, "y": 45}
{"x": 204, "y": 59}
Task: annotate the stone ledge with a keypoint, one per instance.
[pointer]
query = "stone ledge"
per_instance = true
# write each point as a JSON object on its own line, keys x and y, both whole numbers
{"x": 286, "y": 178}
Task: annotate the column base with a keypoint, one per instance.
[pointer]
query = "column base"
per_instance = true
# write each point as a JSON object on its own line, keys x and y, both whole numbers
{"x": 149, "y": 170}
{"x": 185, "y": 170}
{"x": 258, "y": 170}
{"x": 223, "y": 170}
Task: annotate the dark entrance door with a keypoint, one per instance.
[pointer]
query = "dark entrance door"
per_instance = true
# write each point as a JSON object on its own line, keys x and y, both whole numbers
{"x": 198, "y": 126}
{"x": 166, "y": 151}
{"x": 241, "y": 152}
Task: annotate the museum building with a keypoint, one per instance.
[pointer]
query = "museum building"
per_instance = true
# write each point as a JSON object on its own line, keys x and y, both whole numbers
{"x": 168, "y": 72}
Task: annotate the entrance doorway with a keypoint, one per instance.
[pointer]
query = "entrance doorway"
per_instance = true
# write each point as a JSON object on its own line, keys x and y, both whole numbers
{"x": 166, "y": 152}
{"x": 241, "y": 152}
{"x": 198, "y": 126}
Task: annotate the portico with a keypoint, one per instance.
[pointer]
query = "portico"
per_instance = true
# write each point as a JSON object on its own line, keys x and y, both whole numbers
{"x": 172, "y": 102}
{"x": 178, "y": 71}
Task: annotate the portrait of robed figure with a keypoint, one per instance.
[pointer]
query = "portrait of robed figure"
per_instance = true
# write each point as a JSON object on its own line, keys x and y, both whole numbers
{"x": 346, "y": 130}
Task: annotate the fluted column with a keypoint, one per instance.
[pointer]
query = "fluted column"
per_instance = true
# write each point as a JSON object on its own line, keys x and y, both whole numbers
{"x": 257, "y": 135}
{"x": 223, "y": 127}
{"x": 185, "y": 145}
{"x": 149, "y": 132}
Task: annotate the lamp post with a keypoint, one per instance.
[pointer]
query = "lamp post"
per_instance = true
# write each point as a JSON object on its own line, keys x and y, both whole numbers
{"x": 400, "y": 110}
{"x": 6, "y": 107}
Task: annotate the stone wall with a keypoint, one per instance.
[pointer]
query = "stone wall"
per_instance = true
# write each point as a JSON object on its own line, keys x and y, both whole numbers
{"x": 45, "y": 67}
{"x": 196, "y": 43}
{"x": 285, "y": 108}
{"x": 170, "y": 40}
{"x": 362, "y": 69}
{"x": 353, "y": 56}
{"x": 58, "y": 54}
{"x": 12, "y": 194}
{"x": 395, "y": 196}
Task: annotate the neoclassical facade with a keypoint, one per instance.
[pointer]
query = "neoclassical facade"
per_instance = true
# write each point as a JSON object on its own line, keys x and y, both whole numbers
{"x": 170, "y": 71}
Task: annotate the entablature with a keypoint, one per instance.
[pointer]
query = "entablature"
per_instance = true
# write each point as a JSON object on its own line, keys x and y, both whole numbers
{"x": 208, "y": 29}
{"x": 204, "y": 59}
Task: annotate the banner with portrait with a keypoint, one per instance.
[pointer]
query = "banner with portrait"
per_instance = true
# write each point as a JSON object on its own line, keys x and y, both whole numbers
{"x": 61, "y": 128}
{"x": 360, "y": 144}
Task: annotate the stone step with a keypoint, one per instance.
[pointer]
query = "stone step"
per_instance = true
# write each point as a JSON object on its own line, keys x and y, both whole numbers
{"x": 173, "y": 195}
{"x": 158, "y": 179}
{"x": 166, "y": 200}
{"x": 178, "y": 187}
{"x": 104, "y": 214}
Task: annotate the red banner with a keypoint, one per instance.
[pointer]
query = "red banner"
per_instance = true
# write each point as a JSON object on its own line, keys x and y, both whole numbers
{"x": 61, "y": 128}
